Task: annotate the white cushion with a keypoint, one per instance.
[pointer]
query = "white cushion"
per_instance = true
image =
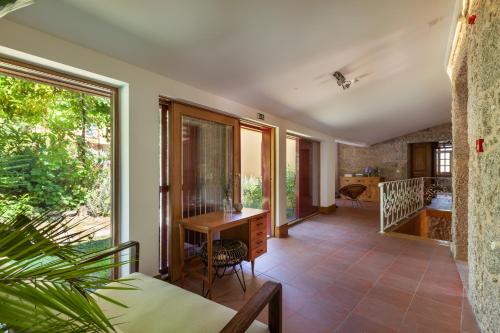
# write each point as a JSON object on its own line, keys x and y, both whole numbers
{"x": 158, "y": 306}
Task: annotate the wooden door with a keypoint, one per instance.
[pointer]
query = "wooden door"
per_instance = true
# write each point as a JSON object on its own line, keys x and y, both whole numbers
{"x": 179, "y": 153}
{"x": 305, "y": 181}
{"x": 164, "y": 188}
{"x": 421, "y": 160}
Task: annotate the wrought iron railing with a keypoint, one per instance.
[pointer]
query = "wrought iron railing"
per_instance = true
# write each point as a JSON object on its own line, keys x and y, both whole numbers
{"x": 401, "y": 198}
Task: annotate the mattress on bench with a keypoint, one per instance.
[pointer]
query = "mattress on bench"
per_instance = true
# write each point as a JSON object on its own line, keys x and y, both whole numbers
{"x": 158, "y": 306}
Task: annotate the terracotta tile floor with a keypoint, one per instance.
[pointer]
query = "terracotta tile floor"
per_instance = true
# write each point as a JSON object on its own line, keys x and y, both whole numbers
{"x": 340, "y": 275}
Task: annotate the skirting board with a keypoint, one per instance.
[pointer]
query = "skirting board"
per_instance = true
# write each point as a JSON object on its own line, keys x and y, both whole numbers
{"x": 328, "y": 210}
{"x": 281, "y": 231}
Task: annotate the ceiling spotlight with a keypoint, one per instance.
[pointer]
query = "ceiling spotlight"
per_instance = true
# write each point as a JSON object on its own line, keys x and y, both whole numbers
{"x": 341, "y": 80}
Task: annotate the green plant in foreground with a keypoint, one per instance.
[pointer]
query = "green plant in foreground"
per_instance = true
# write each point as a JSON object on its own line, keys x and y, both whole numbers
{"x": 46, "y": 284}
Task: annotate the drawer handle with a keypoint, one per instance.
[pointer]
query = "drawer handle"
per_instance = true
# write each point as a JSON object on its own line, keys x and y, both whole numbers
{"x": 259, "y": 233}
{"x": 259, "y": 242}
{"x": 259, "y": 224}
{"x": 260, "y": 251}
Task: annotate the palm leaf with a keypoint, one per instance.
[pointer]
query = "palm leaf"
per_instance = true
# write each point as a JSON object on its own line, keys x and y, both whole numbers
{"x": 46, "y": 284}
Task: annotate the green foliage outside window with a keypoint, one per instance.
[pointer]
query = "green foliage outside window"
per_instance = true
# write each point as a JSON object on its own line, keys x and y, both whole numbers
{"x": 44, "y": 131}
{"x": 291, "y": 189}
{"x": 251, "y": 192}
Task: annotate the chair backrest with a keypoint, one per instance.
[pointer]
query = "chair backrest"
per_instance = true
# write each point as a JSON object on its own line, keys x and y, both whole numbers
{"x": 352, "y": 191}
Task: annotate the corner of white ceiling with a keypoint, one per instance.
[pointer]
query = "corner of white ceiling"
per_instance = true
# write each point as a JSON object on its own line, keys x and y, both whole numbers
{"x": 459, "y": 10}
{"x": 352, "y": 143}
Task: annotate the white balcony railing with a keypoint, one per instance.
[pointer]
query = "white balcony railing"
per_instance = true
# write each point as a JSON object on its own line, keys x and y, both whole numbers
{"x": 400, "y": 199}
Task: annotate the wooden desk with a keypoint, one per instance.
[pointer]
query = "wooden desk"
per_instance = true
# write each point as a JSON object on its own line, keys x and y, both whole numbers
{"x": 248, "y": 226}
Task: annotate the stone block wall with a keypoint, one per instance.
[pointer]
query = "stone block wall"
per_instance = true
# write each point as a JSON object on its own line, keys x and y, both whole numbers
{"x": 479, "y": 51}
{"x": 391, "y": 156}
{"x": 460, "y": 163}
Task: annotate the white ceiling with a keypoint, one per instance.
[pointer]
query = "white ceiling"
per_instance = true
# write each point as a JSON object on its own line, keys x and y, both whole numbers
{"x": 278, "y": 56}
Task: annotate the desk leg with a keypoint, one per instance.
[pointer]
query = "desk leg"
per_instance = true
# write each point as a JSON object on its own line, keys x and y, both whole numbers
{"x": 253, "y": 266}
{"x": 181, "y": 252}
{"x": 209, "y": 264}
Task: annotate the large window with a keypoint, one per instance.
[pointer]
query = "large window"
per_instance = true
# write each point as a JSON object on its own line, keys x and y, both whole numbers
{"x": 56, "y": 150}
{"x": 443, "y": 158}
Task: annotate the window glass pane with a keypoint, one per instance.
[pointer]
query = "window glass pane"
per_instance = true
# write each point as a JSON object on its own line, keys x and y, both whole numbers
{"x": 443, "y": 157}
{"x": 58, "y": 143}
{"x": 207, "y": 166}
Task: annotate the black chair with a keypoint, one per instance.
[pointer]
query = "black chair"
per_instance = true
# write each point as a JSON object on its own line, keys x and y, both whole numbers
{"x": 353, "y": 191}
{"x": 226, "y": 253}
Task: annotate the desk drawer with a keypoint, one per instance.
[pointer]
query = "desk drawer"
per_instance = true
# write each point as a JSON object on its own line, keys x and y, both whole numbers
{"x": 258, "y": 234}
{"x": 259, "y": 224}
{"x": 258, "y": 241}
{"x": 258, "y": 251}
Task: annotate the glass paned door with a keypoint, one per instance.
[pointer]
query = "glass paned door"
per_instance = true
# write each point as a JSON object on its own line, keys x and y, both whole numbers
{"x": 164, "y": 185}
{"x": 207, "y": 166}
{"x": 204, "y": 159}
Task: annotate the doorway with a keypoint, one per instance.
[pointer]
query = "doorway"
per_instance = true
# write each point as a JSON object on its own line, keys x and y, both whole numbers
{"x": 257, "y": 169}
{"x": 302, "y": 177}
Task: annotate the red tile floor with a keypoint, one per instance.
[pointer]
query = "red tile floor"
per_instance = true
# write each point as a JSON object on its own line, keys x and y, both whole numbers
{"x": 340, "y": 275}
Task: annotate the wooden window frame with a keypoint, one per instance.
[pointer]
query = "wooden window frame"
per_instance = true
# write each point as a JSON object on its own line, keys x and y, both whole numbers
{"x": 36, "y": 73}
{"x": 438, "y": 160}
{"x": 164, "y": 190}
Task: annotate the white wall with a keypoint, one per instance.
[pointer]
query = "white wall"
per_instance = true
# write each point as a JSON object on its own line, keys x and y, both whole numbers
{"x": 139, "y": 122}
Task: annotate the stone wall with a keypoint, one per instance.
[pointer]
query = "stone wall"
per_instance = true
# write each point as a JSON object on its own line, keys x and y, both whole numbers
{"x": 390, "y": 156}
{"x": 459, "y": 226}
{"x": 480, "y": 44}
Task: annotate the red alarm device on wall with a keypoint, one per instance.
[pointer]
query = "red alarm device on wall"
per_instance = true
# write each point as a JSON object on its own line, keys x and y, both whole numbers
{"x": 472, "y": 19}
{"x": 480, "y": 145}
